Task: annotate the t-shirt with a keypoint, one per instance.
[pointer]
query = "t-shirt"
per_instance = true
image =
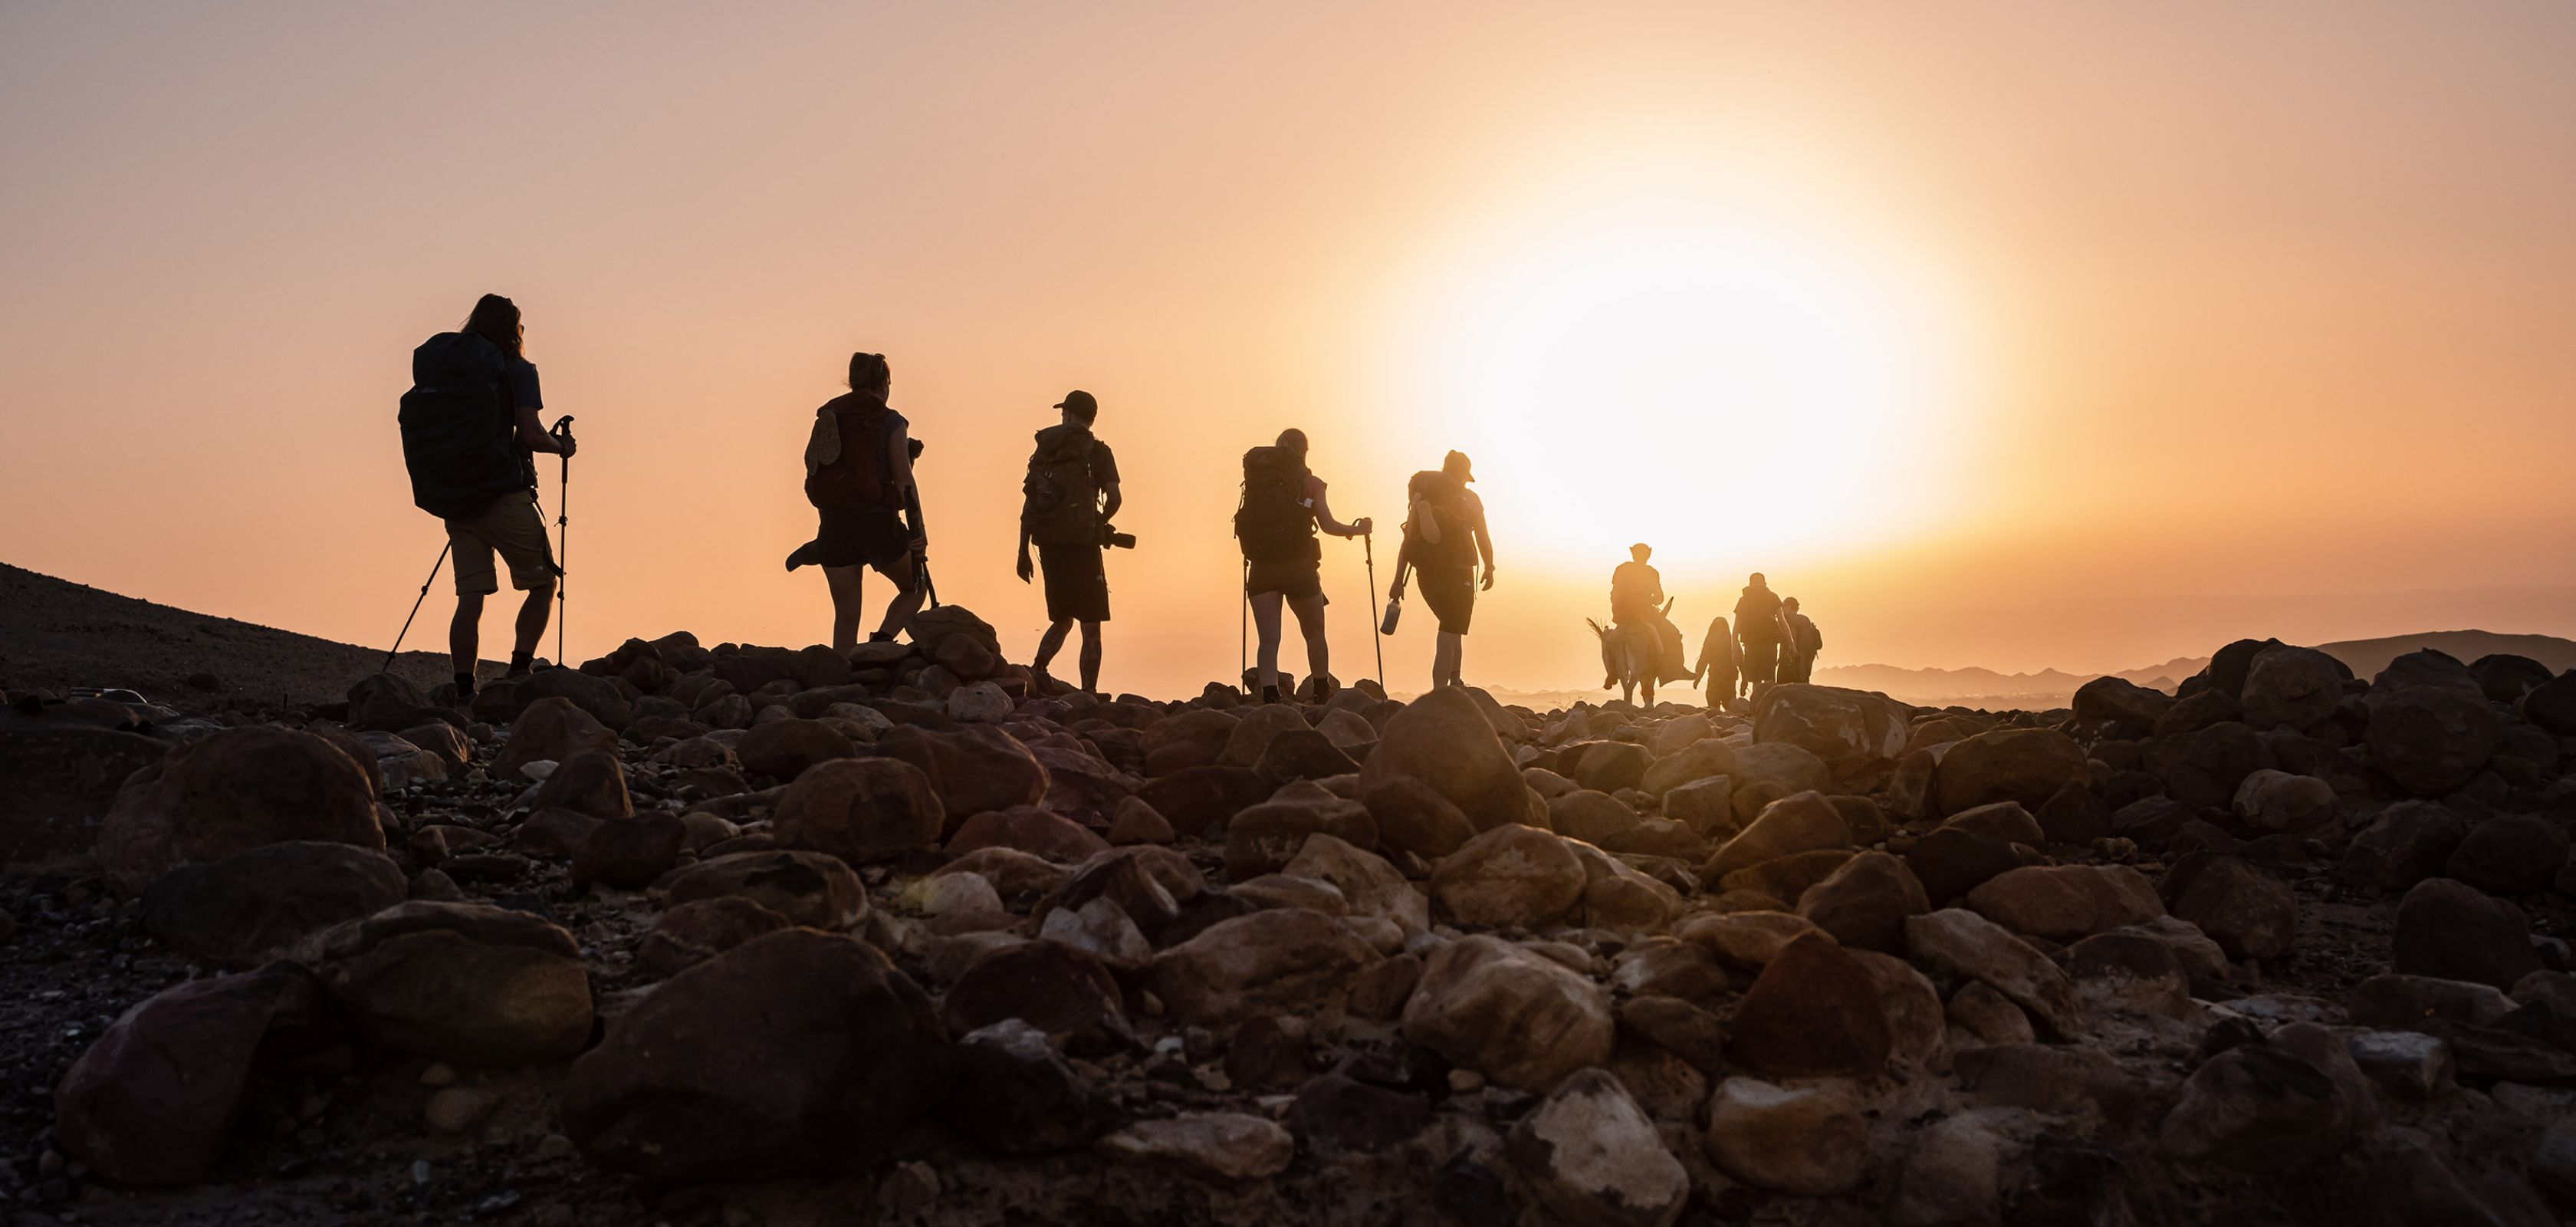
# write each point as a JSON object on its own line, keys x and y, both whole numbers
{"x": 1757, "y": 616}
{"x": 1636, "y": 590}
{"x": 519, "y": 388}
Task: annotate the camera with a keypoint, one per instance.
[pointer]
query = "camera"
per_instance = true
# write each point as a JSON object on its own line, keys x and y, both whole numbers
{"x": 1111, "y": 537}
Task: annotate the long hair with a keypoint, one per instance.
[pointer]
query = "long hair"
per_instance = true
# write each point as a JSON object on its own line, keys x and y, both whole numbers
{"x": 495, "y": 319}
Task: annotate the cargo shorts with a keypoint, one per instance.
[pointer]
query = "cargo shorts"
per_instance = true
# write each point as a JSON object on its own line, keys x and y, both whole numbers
{"x": 510, "y": 525}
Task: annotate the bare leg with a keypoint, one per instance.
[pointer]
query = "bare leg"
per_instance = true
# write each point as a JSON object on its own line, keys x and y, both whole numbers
{"x": 1051, "y": 643}
{"x": 1091, "y": 657}
{"x": 906, "y": 602}
{"x": 1310, "y": 622}
{"x": 531, "y": 625}
{"x": 1446, "y": 658}
{"x": 465, "y": 631}
{"x": 1265, "y": 625}
{"x": 845, "y": 583}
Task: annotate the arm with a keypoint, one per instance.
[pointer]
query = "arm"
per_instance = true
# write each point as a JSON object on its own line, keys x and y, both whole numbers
{"x": 1025, "y": 567}
{"x": 1109, "y": 501}
{"x": 533, "y": 436}
{"x": 1324, "y": 517}
{"x": 1485, "y": 544}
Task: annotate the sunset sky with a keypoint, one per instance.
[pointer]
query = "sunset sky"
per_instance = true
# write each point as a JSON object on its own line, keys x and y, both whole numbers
{"x": 2017, "y": 335}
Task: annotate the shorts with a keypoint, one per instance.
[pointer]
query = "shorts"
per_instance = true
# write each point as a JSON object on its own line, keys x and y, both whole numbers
{"x": 1294, "y": 578}
{"x": 1076, "y": 585}
{"x": 510, "y": 525}
{"x": 1451, "y": 594}
{"x": 849, "y": 538}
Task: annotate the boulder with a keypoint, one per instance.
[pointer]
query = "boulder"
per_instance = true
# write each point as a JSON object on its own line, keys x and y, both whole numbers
{"x": 2409, "y": 842}
{"x": 784, "y": 749}
{"x": 1699, "y": 760}
{"x": 1706, "y": 806}
{"x": 1952, "y": 862}
{"x": 60, "y": 781}
{"x": 630, "y": 853}
{"x": 813, "y": 889}
{"x": 1604, "y": 766}
{"x": 1864, "y": 902}
{"x": 1772, "y": 770}
{"x": 2203, "y": 769}
{"x": 2430, "y": 740}
{"x": 2247, "y": 911}
{"x": 1220, "y": 1146}
{"x": 2290, "y": 687}
{"x": 2064, "y": 902}
{"x": 2426, "y": 667}
{"x": 1749, "y": 939}
{"x": 591, "y": 783}
{"x": 975, "y": 769}
{"x": 2024, "y": 765}
{"x": 693, "y": 932}
{"x": 2552, "y": 705}
{"x": 1813, "y": 1011}
{"x": 1251, "y": 735}
{"x": 1509, "y": 876}
{"x": 1955, "y": 1173}
{"x": 2452, "y": 931}
{"x": 2511, "y": 854}
{"x": 1595, "y": 1159}
{"x": 1962, "y": 944}
{"x": 1194, "y": 799}
{"x": 1800, "y": 822}
{"x": 2119, "y": 700}
{"x": 1918, "y": 1032}
{"x": 1413, "y": 818}
{"x": 1261, "y": 839}
{"x": 1283, "y": 961}
{"x": 2277, "y": 801}
{"x": 1052, "y": 986}
{"x": 245, "y": 908}
{"x": 1591, "y": 816}
{"x": 1443, "y": 740}
{"x": 153, "y": 1100}
{"x": 2127, "y": 971}
{"x": 1808, "y": 1140}
{"x": 798, "y": 1051}
{"x": 550, "y": 730}
{"x": 1338, "y": 1113}
{"x": 1370, "y": 885}
{"x": 2259, "y": 1110}
{"x": 461, "y": 982}
{"x": 1014, "y": 1095}
{"x": 2004, "y": 820}
{"x": 232, "y": 791}
{"x": 1027, "y": 829}
{"x": 1518, "y": 1018}
{"x": 1303, "y": 754}
{"x": 1831, "y": 722}
{"x": 862, "y": 810}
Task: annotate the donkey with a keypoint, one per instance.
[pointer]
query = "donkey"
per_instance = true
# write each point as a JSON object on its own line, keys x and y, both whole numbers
{"x": 1631, "y": 656}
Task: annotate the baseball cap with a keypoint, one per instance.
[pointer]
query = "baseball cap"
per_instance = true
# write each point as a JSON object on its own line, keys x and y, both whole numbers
{"x": 1082, "y": 404}
{"x": 1457, "y": 461}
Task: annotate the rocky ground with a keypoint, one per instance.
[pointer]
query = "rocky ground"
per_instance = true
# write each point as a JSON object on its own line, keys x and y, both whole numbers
{"x": 756, "y": 936}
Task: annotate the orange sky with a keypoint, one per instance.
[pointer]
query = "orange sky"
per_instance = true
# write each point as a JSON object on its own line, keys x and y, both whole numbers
{"x": 2033, "y": 335}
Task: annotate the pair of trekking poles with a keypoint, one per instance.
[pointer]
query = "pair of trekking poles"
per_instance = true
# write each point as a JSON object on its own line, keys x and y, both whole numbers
{"x": 561, "y": 432}
{"x": 1377, "y": 636}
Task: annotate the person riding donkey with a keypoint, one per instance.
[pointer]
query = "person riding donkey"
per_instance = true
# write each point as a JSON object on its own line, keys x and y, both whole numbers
{"x": 1642, "y": 646}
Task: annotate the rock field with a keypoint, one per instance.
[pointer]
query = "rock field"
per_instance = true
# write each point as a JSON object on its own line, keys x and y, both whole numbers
{"x": 757, "y": 936}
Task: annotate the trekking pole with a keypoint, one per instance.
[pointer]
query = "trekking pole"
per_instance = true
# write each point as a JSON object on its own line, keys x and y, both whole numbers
{"x": 563, "y": 534}
{"x": 390, "y": 653}
{"x": 1243, "y": 632}
{"x": 1368, "y": 550}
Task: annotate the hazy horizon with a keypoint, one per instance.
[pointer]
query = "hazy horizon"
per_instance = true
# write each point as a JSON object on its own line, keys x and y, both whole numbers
{"x": 2006, "y": 336}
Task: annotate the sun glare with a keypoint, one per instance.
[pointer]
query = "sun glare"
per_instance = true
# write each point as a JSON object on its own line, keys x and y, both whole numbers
{"x": 1727, "y": 393}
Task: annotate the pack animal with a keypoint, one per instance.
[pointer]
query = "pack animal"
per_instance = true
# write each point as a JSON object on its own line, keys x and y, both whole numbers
{"x": 1632, "y": 656}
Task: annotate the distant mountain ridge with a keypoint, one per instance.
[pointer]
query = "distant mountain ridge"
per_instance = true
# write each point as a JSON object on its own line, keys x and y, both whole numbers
{"x": 2366, "y": 657}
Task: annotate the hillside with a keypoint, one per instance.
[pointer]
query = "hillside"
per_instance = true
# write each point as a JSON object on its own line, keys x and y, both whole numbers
{"x": 56, "y": 634}
{"x": 1987, "y": 687}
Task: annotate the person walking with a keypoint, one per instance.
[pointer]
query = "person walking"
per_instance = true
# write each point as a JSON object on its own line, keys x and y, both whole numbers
{"x": 1757, "y": 627}
{"x": 858, "y": 475}
{"x": 1637, "y": 595}
{"x": 1720, "y": 663}
{"x": 1068, "y": 497}
{"x": 1799, "y": 643}
{"x": 1444, "y": 539}
{"x": 470, "y": 434}
{"x": 1283, "y": 504}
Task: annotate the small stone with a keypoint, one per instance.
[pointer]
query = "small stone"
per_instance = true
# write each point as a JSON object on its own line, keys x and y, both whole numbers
{"x": 458, "y": 1108}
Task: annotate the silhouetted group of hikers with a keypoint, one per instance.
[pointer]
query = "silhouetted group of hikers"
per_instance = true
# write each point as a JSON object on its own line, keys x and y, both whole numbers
{"x": 471, "y": 427}
{"x": 1770, "y": 640}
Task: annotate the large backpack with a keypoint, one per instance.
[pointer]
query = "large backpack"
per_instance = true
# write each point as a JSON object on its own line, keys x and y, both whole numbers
{"x": 1274, "y": 522}
{"x": 1810, "y": 640}
{"x": 1060, "y": 497}
{"x": 457, "y": 437}
{"x": 855, "y": 478}
{"x": 1457, "y": 544}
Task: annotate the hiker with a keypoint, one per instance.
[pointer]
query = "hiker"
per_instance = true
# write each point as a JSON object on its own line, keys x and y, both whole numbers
{"x": 1720, "y": 663}
{"x": 1757, "y": 627}
{"x": 1067, "y": 499}
{"x": 470, "y": 433}
{"x": 858, "y": 475}
{"x": 1637, "y": 595}
{"x": 1444, "y": 538}
{"x": 1283, "y": 505}
{"x": 1799, "y": 643}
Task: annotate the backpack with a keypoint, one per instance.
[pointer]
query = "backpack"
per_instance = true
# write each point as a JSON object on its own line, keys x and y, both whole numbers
{"x": 1810, "y": 640}
{"x": 1457, "y": 544}
{"x": 1274, "y": 522}
{"x": 855, "y": 478}
{"x": 1060, "y": 497}
{"x": 457, "y": 437}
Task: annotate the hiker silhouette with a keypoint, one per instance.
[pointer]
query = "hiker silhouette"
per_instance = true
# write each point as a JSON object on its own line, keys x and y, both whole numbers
{"x": 469, "y": 432}
{"x": 858, "y": 476}
{"x": 1758, "y": 628}
{"x": 1637, "y": 599}
{"x": 1067, "y": 499}
{"x": 1444, "y": 539}
{"x": 1283, "y": 504}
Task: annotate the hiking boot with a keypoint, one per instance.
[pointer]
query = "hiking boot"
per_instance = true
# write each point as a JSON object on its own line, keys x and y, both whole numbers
{"x": 1270, "y": 694}
{"x": 803, "y": 556}
{"x": 1323, "y": 689}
